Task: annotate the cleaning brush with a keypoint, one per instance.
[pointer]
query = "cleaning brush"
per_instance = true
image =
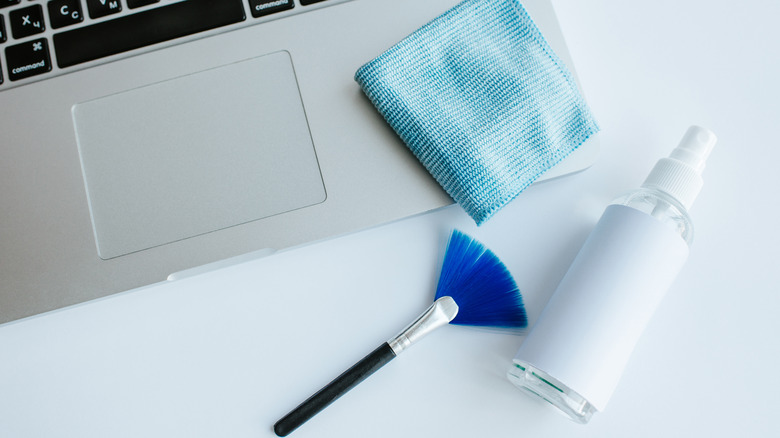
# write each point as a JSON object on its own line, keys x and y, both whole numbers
{"x": 474, "y": 289}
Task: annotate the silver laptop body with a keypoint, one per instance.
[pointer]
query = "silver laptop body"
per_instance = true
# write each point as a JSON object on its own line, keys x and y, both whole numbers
{"x": 210, "y": 141}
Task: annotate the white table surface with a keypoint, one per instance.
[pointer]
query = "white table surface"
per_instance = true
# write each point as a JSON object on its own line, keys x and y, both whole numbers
{"x": 225, "y": 354}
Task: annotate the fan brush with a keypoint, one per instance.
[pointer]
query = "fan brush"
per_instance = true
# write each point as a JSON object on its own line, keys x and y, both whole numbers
{"x": 474, "y": 289}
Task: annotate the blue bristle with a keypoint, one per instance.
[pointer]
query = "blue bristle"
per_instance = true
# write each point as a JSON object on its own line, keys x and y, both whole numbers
{"x": 483, "y": 288}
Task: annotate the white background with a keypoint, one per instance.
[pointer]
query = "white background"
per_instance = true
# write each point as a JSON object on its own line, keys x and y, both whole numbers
{"x": 229, "y": 352}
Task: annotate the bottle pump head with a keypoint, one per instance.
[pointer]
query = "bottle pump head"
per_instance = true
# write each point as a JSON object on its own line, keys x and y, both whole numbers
{"x": 679, "y": 175}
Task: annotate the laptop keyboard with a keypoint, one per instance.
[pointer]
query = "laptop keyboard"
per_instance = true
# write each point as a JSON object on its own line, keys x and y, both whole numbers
{"x": 41, "y": 39}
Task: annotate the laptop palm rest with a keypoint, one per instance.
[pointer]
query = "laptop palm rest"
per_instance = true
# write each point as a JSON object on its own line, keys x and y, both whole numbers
{"x": 158, "y": 167}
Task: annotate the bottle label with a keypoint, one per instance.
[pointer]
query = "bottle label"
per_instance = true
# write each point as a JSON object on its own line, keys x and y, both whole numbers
{"x": 589, "y": 328}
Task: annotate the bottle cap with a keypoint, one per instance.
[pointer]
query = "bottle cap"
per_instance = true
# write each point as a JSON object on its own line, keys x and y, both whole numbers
{"x": 679, "y": 175}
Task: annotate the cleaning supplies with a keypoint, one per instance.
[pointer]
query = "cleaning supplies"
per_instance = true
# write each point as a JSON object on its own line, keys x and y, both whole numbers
{"x": 577, "y": 350}
{"x": 482, "y": 100}
{"x": 474, "y": 288}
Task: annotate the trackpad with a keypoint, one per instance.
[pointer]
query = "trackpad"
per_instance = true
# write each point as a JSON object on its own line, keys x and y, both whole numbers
{"x": 196, "y": 154}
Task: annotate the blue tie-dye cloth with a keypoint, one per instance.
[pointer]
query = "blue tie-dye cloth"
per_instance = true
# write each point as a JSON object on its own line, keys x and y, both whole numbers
{"x": 482, "y": 100}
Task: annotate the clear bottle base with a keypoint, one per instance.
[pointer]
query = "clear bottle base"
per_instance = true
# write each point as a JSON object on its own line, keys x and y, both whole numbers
{"x": 540, "y": 384}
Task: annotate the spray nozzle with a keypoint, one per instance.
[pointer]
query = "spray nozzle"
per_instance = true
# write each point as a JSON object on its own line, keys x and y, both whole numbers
{"x": 695, "y": 147}
{"x": 679, "y": 175}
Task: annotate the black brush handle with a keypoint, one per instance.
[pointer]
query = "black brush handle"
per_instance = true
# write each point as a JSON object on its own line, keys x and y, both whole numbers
{"x": 335, "y": 389}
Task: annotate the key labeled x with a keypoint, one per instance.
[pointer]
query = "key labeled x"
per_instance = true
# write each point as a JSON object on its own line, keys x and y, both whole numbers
{"x": 26, "y": 21}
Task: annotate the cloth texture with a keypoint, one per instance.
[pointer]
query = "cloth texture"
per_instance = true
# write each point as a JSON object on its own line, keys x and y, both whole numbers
{"x": 481, "y": 100}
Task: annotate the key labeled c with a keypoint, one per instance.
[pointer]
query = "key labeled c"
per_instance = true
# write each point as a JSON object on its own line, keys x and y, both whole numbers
{"x": 64, "y": 12}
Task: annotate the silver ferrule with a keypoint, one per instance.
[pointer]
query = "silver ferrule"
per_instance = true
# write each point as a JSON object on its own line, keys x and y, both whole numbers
{"x": 441, "y": 312}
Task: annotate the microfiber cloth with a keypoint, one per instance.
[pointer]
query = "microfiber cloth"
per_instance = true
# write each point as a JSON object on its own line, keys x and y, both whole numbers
{"x": 481, "y": 99}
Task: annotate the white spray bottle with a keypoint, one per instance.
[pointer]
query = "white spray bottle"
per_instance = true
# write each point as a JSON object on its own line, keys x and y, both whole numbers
{"x": 577, "y": 350}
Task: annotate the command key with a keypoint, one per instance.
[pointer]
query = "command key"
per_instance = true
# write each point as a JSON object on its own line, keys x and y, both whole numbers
{"x": 27, "y": 59}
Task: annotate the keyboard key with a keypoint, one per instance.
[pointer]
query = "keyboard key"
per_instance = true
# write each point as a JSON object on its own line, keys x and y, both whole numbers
{"x": 132, "y": 4}
{"x": 1, "y": 73}
{"x": 4, "y": 3}
{"x": 310, "y": 2}
{"x": 26, "y": 21}
{"x": 144, "y": 28}
{"x": 27, "y": 59}
{"x": 265, "y": 7}
{"x": 101, "y": 8}
{"x": 2, "y": 29}
{"x": 64, "y": 13}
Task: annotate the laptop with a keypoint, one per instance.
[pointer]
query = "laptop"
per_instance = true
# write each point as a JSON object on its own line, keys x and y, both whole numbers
{"x": 142, "y": 139}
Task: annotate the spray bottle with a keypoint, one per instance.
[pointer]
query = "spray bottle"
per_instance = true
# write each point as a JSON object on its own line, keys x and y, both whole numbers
{"x": 577, "y": 350}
